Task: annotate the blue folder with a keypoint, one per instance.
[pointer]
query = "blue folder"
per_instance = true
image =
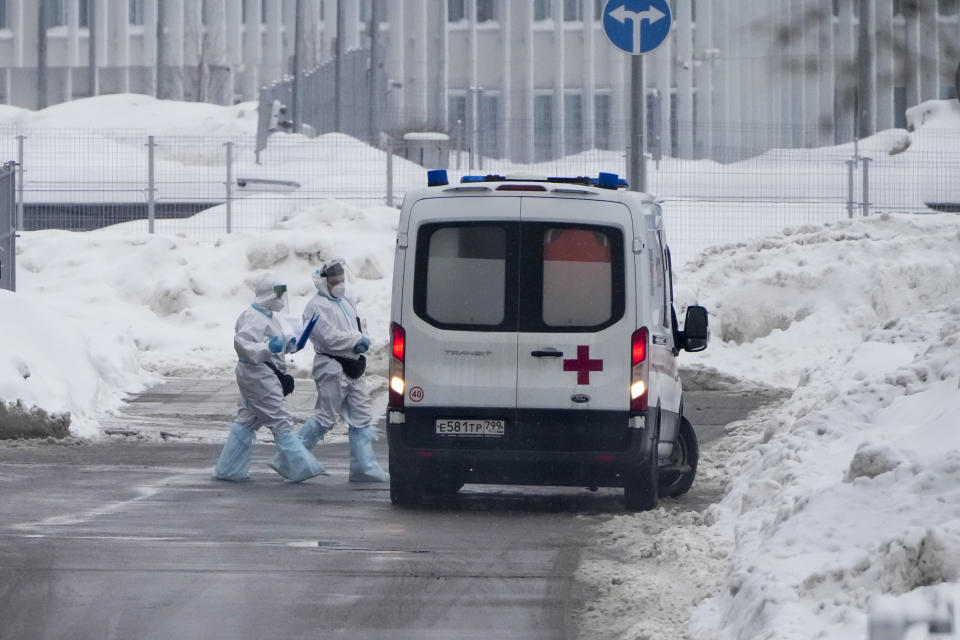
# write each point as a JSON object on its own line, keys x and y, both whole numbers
{"x": 307, "y": 330}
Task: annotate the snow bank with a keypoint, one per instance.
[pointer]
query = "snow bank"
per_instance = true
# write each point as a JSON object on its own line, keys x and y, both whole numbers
{"x": 852, "y": 488}
{"x": 783, "y": 304}
{"x": 114, "y": 301}
{"x": 126, "y": 111}
{"x": 51, "y": 362}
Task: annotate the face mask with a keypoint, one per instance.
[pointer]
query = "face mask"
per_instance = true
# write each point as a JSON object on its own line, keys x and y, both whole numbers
{"x": 275, "y": 304}
{"x": 337, "y": 290}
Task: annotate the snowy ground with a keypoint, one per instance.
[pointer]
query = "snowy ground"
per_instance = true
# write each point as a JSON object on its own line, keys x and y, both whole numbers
{"x": 844, "y": 491}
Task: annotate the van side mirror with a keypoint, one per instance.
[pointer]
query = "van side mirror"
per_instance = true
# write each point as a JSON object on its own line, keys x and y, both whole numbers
{"x": 695, "y": 333}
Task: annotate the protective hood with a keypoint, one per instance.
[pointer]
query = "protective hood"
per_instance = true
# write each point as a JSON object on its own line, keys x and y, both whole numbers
{"x": 329, "y": 279}
{"x": 270, "y": 293}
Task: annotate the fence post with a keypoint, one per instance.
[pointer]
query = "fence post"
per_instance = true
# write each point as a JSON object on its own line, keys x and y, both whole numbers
{"x": 866, "y": 186}
{"x": 389, "y": 172}
{"x": 20, "y": 140}
{"x": 459, "y": 139}
{"x": 151, "y": 191}
{"x": 229, "y": 146}
{"x": 850, "y": 165}
{"x": 8, "y": 235}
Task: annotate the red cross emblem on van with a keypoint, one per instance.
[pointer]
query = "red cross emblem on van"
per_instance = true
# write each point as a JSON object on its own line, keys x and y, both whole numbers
{"x": 583, "y": 365}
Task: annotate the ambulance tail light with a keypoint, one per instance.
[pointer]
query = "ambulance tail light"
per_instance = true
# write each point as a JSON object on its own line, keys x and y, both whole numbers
{"x": 398, "y": 345}
{"x": 639, "y": 369}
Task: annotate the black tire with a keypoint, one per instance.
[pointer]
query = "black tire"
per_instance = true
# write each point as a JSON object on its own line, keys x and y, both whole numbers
{"x": 406, "y": 484}
{"x": 686, "y": 452}
{"x": 641, "y": 489}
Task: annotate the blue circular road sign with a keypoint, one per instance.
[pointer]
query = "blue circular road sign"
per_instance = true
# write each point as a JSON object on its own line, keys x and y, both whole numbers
{"x": 637, "y": 26}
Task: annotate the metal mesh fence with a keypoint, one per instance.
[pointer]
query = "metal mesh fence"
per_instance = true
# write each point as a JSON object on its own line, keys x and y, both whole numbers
{"x": 83, "y": 180}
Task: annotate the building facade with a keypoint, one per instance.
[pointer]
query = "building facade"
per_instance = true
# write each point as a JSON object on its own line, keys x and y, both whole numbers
{"x": 525, "y": 79}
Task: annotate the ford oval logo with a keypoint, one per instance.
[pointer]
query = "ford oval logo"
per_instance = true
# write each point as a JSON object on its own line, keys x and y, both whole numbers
{"x": 580, "y": 398}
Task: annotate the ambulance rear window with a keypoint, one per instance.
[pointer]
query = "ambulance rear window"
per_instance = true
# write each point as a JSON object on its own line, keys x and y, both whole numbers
{"x": 577, "y": 277}
{"x": 462, "y": 276}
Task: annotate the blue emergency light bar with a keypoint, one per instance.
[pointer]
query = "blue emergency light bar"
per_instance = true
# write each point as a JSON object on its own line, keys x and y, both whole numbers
{"x": 437, "y": 178}
{"x": 604, "y": 181}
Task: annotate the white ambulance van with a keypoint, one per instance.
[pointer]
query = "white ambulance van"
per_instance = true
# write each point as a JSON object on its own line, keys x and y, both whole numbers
{"x": 534, "y": 341}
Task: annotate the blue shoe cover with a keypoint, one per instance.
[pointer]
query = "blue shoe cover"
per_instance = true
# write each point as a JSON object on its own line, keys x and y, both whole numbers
{"x": 311, "y": 433}
{"x": 363, "y": 463}
{"x": 293, "y": 461}
{"x": 234, "y": 461}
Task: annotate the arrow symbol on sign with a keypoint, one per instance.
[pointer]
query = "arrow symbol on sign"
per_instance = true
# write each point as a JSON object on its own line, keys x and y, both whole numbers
{"x": 621, "y": 14}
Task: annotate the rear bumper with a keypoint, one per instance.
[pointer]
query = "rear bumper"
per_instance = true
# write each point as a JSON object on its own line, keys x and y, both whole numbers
{"x": 563, "y": 448}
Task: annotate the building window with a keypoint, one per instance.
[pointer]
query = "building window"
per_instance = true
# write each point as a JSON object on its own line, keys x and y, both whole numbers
{"x": 542, "y": 9}
{"x": 136, "y": 12}
{"x": 598, "y": 8}
{"x": 456, "y": 11}
{"x": 4, "y": 24}
{"x": 601, "y": 114}
{"x": 900, "y": 107}
{"x": 486, "y": 10}
{"x": 366, "y": 11}
{"x": 947, "y": 7}
{"x": 856, "y": 7}
{"x": 55, "y": 13}
{"x": 572, "y": 11}
{"x": 489, "y": 126}
{"x": 457, "y": 119}
{"x": 543, "y": 127}
{"x": 573, "y": 122}
{"x": 263, "y": 11}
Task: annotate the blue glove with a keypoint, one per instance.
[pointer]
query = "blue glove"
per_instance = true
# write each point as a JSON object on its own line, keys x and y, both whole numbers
{"x": 276, "y": 344}
{"x": 290, "y": 346}
{"x": 362, "y": 346}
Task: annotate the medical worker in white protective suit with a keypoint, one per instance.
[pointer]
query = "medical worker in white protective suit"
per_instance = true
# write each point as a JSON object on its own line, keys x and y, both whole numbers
{"x": 338, "y": 363}
{"x": 260, "y": 338}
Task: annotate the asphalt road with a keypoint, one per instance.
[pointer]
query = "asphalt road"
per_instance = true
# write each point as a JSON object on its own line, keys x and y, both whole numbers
{"x": 131, "y": 538}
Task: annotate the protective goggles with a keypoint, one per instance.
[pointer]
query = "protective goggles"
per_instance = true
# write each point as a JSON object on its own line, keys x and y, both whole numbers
{"x": 280, "y": 289}
{"x": 335, "y": 269}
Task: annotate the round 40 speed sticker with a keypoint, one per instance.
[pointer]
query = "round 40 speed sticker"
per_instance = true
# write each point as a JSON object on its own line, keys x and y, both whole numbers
{"x": 416, "y": 394}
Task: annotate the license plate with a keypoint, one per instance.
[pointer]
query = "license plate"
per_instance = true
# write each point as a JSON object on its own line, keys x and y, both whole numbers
{"x": 471, "y": 427}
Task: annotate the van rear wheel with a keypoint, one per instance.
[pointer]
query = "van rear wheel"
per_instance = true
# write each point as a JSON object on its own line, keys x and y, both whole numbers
{"x": 641, "y": 487}
{"x": 686, "y": 454}
{"x": 406, "y": 483}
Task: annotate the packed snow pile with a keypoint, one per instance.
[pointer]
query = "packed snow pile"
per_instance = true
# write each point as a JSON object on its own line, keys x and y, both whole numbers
{"x": 103, "y": 313}
{"x": 129, "y": 111}
{"x": 784, "y": 304}
{"x": 934, "y": 114}
{"x": 852, "y": 488}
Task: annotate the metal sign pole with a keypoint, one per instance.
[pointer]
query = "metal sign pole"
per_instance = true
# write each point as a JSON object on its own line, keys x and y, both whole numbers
{"x": 636, "y": 27}
{"x": 637, "y": 163}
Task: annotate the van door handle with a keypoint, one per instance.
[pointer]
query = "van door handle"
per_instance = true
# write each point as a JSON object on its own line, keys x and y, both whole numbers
{"x": 547, "y": 353}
